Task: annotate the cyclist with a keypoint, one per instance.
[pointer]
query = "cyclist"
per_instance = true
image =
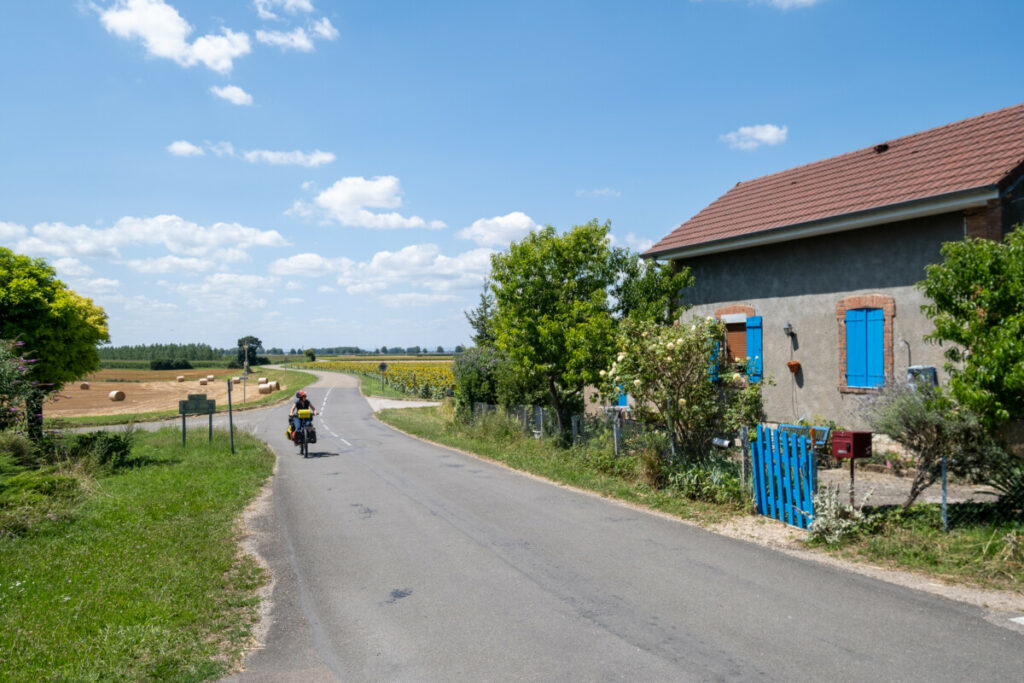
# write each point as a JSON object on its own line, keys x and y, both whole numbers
{"x": 301, "y": 402}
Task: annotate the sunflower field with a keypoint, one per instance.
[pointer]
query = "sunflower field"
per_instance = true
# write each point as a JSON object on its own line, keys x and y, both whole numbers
{"x": 425, "y": 379}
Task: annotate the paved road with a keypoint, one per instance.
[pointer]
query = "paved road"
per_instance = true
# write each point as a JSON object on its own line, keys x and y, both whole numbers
{"x": 398, "y": 560}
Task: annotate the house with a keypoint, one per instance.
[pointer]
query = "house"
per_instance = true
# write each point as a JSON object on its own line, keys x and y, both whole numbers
{"x": 817, "y": 264}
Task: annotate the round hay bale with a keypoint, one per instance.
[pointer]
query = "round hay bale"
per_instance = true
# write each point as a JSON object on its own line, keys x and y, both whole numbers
{"x": 181, "y": 378}
{"x": 117, "y": 395}
{"x": 275, "y": 385}
{"x": 202, "y": 381}
{"x": 263, "y": 380}
{"x": 265, "y": 389}
{"x": 83, "y": 385}
{"x": 210, "y": 377}
{"x": 236, "y": 380}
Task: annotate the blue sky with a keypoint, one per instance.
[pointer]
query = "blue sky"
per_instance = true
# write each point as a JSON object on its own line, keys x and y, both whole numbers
{"x": 337, "y": 173}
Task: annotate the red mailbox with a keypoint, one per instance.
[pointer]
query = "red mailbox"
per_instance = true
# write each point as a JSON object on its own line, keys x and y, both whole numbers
{"x": 851, "y": 445}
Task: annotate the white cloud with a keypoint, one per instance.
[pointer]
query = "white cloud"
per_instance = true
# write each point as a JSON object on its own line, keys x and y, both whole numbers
{"x": 171, "y": 264}
{"x": 602, "y": 192}
{"x": 414, "y": 299}
{"x": 100, "y": 285}
{"x": 420, "y": 265}
{"x": 792, "y": 4}
{"x": 325, "y": 289}
{"x": 296, "y": 158}
{"x": 293, "y": 40}
{"x": 752, "y": 137}
{"x": 220, "y": 241}
{"x": 71, "y": 267}
{"x": 348, "y": 201}
{"x": 324, "y": 29}
{"x": 500, "y": 230}
{"x": 640, "y": 244}
{"x": 164, "y": 34}
{"x": 184, "y": 148}
{"x": 233, "y": 94}
{"x": 293, "y": 286}
{"x": 222, "y": 149}
{"x": 308, "y": 264}
{"x": 264, "y": 8}
{"x": 12, "y": 231}
{"x": 145, "y": 304}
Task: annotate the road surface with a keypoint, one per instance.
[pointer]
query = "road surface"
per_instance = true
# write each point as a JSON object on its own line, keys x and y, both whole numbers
{"x": 398, "y": 560}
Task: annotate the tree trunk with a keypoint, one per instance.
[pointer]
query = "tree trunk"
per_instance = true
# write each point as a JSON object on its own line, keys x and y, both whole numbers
{"x": 34, "y": 415}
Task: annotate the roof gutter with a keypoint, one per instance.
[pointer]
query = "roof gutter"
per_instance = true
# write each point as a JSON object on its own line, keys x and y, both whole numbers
{"x": 917, "y": 208}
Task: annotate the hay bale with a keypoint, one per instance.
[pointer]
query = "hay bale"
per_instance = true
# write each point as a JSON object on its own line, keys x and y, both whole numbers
{"x": 210, "y": 377}
{"x": 202, "y": 381}
{"x": 181, "y": 378}
{"x": 236, "y": 380}
{"x": 263, "y": 380}
{"x": 117, "y": 395}
{"x": 84, "y": 385}
{"x": 265, "y": 389}
{"x": 275, "y": 385}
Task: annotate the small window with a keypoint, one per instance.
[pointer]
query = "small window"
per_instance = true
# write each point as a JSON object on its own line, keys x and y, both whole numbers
{"x": 736, "y": 341}
{"x": 865, "y": 351}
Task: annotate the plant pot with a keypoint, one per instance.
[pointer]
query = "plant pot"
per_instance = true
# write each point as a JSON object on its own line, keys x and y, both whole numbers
{"x": 793, "y": 365}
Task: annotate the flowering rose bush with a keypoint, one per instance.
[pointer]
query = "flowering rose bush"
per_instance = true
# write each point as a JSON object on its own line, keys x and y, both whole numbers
{"x": 680, "y": 379}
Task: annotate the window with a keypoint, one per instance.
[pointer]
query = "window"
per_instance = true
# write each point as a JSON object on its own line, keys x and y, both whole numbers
{"x": 865, "y": 352}
{"x": 865, "y": 342}
{"x": 742, "y": 338}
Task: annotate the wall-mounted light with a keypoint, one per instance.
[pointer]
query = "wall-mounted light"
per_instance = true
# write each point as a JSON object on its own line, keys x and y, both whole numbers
{"x": 788, "y": 329}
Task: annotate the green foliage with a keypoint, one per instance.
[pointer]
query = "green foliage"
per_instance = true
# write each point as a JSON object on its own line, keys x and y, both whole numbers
{"x": 833, "y": 521}
{"x": 933, "y": 426}
{"x": 553, "y": 316}
{"x": 105, "y": 450}
{"x": 650, "y": 290}
{"x": 15, "y": 384}
{"x": 310, "y": 354}
{"x": 59, "y": 328}
{"x": 669, "y": 370}
{"x": 650, "y": 449}
{"x": 168, "y": 364}
{"x": 203, "y": 352}
{"x": 481, "y": 319}
{"x": 476, "y": 380}
{"x": 716, "y": 481}
{"x": 248, "y": 347}
{"x": 977, "y": 296}
{"x": 16, "y": 450}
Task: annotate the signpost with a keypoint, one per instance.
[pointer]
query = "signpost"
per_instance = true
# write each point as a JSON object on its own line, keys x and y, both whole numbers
{"x": 383, "y": 368}
{"x": 196, "y": 404}
{"x": 231, "y": 422}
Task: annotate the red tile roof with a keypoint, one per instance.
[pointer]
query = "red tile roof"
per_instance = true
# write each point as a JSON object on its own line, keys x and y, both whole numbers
{"x": 973, "y": 153}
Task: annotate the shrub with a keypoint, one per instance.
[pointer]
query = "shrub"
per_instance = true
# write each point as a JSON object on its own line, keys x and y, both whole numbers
{"x": 16, "y": 448}
{"x": 476, "y": 378}
{"x": 716, "y": 481}
{"x": 167, "y": 364}
{"x": 102, "y": 450}
{"x": 650, "y": 449}
{"x": 932, "y": 426}
{"x": 833, "y": 521}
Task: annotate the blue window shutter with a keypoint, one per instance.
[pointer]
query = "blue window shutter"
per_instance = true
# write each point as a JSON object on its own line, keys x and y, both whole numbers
{"x": 755, "y": 366}
{"x": 713, "y": 370}
{"x": 623, "y": 398}
{"x": 875, "y": 347}
{"x": 856, "y": 348}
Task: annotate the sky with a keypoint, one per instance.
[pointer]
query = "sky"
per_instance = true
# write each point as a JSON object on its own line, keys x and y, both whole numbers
{"x": 330, "y": 173}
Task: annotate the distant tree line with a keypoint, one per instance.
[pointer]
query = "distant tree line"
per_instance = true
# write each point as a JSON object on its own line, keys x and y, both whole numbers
{"x": 358, "y": 351}
{"x": 163, "y": 352}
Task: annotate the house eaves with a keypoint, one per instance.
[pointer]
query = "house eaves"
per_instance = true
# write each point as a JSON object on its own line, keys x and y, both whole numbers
{"x": 918, "y": 208}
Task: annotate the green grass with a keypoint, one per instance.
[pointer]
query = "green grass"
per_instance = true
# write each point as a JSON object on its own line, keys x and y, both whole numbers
{"x": 592, "y": 469}
{"x": 975, "y": 551}
{"x": 292, "y": 379}
{"x": 371, "y": 386}
{"x": 142, "y": 580}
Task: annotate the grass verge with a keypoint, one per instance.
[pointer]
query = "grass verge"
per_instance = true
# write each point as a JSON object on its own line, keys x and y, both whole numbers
{"x": 979, "y": 549}
{"x": 590, "y": 468}
{"x": 142, "y": 580}
{"x": 292, "y": 380}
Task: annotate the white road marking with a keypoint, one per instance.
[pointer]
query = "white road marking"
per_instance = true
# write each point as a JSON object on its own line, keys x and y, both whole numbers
{"x": 1018, "y": 620}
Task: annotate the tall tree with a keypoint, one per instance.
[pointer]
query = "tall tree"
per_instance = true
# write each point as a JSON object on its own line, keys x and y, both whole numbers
{"x": 481, "y": 318}
{"x": 59, "y": 328}
{"x": 553, "y": 315}
{"x": 248, "y": 349}
{"x": 651, "y": 291}
{"x": 977, "y": 302}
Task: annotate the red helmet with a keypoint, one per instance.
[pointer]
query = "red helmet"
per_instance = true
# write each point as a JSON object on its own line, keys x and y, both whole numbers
{"x": 302, "y": 394}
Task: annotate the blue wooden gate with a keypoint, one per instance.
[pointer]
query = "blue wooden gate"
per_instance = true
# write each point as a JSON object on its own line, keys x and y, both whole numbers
{"x": 785, "y": 476}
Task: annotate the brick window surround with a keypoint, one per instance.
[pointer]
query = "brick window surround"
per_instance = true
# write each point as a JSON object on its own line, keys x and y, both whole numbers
{"x": 888, "y": 306}
{"x": 736, "y": 308}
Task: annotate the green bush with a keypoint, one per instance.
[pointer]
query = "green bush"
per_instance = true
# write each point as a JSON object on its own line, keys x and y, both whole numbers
{"x": 104, "y": 450}
{"x": 17, "y": 449}
{"x": 168, "y": 364}
{"x": 716, "y": 481}
{"x": 833, "y": 521}
{"x": 475, "y": 373}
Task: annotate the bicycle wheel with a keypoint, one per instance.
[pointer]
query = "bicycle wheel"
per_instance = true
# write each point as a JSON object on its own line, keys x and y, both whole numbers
{"x": 305, "y": 443}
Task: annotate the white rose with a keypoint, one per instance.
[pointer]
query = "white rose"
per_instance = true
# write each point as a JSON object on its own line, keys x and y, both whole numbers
{"x": 637, "y": 382}
{"x": 682, "y": 401}
{"x": 602, "y": 373}
{"x": 669, "y": 346}
{"x": 622, "y": 356}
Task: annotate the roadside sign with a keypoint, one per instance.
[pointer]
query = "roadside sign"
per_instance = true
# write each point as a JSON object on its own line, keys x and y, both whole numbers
{"x": 197, "y": 404}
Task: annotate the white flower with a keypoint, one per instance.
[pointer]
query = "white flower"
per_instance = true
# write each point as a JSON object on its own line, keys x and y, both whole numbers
{"x": 711, "y": 318}
{"x": 736, "y": 377}
{"x": 637, "y": 382}
{"x": 602, "y": 373}
{"x": 669, "y": 346}
{"x": 679, "y": 342}
{"x": 693, "y": 328}
{"x": 682, "y": 401}
{"x": 622, "y": 357}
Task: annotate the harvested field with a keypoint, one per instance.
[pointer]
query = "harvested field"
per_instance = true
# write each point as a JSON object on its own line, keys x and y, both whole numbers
{"x": 145, "y": 391}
